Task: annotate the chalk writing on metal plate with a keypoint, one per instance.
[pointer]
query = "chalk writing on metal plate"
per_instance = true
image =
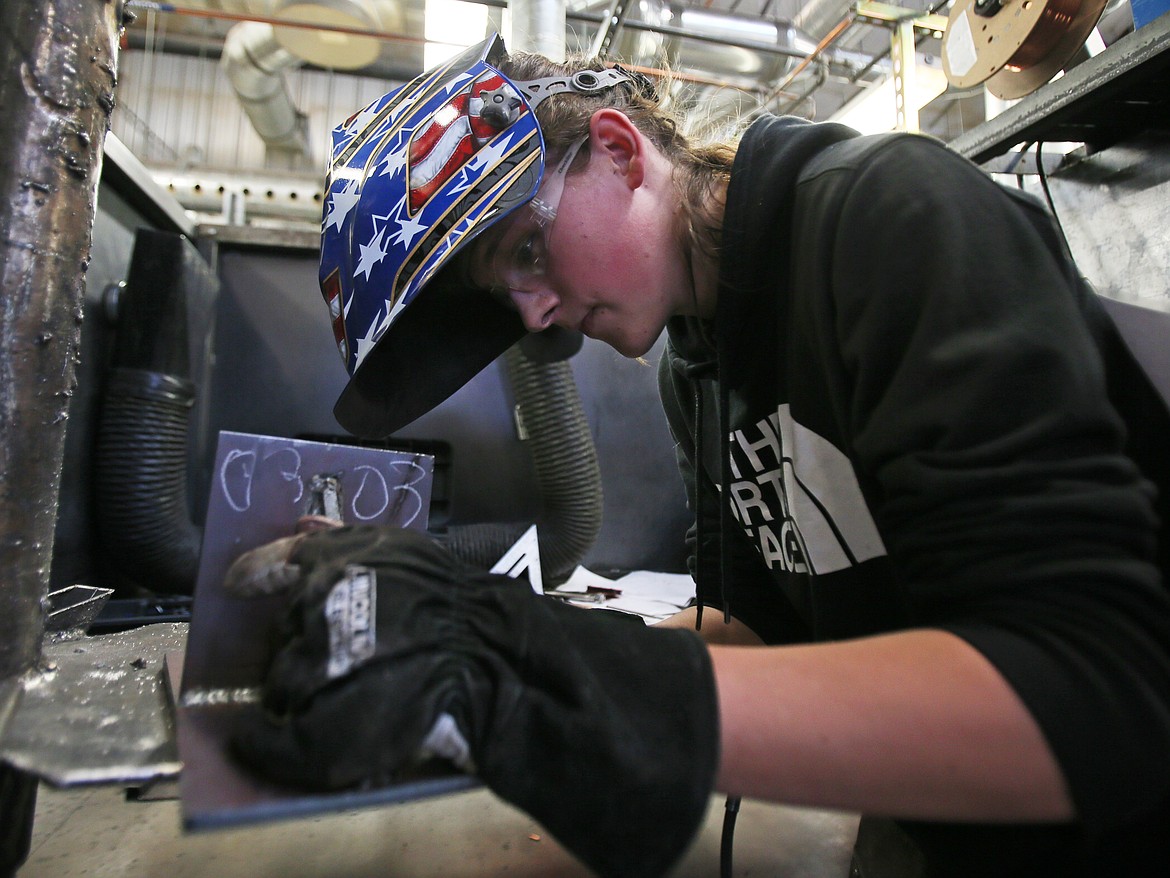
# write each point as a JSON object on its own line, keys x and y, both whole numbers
{"x": 374, "y": 495}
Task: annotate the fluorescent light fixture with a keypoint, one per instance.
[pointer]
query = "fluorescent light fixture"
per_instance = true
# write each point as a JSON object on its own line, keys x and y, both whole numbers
{"x": 875, "y": 110}
{"x": 450, "y": 27}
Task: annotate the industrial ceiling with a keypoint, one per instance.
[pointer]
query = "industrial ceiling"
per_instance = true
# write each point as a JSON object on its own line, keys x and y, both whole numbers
{"x": 728, "y": 59}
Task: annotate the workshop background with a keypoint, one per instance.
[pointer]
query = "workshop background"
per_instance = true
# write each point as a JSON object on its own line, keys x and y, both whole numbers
{"x": 181, "y": 246}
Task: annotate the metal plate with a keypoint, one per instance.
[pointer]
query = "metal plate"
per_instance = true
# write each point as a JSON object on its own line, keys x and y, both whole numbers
{"x": 260, "y": 486}
{"x": 75, "y": 607}
{"x": 98, "y": 712}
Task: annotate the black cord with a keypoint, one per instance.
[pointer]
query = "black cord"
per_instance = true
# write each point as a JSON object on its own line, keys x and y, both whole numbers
{"x": 1044, "y": 181}
{"x": 731, "y": 810}
{"x": 1048, "y": 192}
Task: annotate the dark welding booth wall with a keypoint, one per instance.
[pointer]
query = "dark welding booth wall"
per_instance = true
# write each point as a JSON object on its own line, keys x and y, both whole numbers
{"x": 277, "y": 372}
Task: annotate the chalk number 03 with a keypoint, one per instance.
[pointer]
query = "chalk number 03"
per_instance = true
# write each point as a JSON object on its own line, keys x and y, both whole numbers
{"x": 375, "y": 494}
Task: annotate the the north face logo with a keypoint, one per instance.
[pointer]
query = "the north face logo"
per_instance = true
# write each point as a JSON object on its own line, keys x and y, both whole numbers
{"x": 797, "y": 497}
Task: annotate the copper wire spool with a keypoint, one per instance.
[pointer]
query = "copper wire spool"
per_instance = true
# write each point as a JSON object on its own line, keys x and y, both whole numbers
{"x": 1015, "y": 47}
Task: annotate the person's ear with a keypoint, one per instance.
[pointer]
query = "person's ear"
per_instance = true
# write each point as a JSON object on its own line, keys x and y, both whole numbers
{"x": 614, "y": 136}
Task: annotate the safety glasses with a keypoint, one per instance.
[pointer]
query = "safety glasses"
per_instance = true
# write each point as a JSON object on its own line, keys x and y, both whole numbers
{"x": 519, "y": 258}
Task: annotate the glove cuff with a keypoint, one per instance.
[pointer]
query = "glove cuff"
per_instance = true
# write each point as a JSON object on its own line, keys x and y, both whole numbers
{"x": 632, "y": 797}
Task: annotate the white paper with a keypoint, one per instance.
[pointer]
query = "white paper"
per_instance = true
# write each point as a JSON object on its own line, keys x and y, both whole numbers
{"x": 673, "y": 588}
{"x": 651, "y": 595}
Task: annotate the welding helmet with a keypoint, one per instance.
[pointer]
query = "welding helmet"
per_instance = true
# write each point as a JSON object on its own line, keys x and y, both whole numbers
{"x": 414, "y": 177}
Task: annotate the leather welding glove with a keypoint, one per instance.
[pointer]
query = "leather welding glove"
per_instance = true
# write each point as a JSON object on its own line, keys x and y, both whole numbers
{"x": 601, "y": 728}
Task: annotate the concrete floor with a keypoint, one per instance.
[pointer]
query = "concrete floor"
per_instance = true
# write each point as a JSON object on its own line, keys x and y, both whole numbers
{"x": 95, "y": 832}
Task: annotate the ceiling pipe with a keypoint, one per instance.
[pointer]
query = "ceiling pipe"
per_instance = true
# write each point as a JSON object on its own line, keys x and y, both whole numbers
{"x": 711, "y": 52}
{"x": 814, "y": 57}
{"x": 254, "y": 63}
{"x": 268, "y": 18}
{"x": 539, "y": 26}
{"x": 817, "y": 17}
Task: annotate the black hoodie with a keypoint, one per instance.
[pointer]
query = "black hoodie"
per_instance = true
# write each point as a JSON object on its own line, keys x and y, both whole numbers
{"x": 910, "y": 401}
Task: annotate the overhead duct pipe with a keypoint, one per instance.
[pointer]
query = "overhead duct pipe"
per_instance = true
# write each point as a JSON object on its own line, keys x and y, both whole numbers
{"x": 254, "y": 63}
{"x": 817, "y": 17}
{"x": 539, "y": 26}
{"x": 746, "y": 52}
{"x": 327, "y": 33}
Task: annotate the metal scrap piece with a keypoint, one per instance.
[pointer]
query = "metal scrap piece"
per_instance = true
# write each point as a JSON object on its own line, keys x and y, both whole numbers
{"x": 98, "y": 711}
{"x": 75, "y": 607}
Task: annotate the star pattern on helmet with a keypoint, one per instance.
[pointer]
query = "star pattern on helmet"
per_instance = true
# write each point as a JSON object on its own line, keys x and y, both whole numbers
{"x": 372, "y": 253}
{"x": 453, "y": 238}
{"x": 407, "y": 227}
{"x": 341, "y": 203}
{"x": 366, "y": 343}
{"x": 456, "y": 82}
{"x": 490, "y": 154}
{"x": 344, "y": 134}
{"x": 485, "y": 157}
{"x": 362, "y": 118}
{"x": 395, "y": 161}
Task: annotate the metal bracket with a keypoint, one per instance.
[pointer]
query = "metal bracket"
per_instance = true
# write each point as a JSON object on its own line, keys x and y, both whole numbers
{"x": 610, "y": 26}
{"x": 887, "y": 14}
{"x": 902, "y": 23}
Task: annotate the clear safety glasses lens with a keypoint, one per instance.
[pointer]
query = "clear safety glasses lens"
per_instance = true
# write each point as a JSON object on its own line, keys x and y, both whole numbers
{"x": 521, "y": 255}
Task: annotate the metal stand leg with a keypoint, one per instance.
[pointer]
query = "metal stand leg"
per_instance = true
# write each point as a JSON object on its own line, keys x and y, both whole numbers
{"x": 18, "y": 803}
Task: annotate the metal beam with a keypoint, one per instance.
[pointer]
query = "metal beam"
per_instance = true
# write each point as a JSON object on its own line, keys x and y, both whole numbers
{"x": 1113, "y": 94}
{"x": 57, "y": 79}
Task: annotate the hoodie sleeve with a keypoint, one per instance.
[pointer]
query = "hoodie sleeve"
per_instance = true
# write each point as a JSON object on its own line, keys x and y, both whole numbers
{"x": 978, "y": 405}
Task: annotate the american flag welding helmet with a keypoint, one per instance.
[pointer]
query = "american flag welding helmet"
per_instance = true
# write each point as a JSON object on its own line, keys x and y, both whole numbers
{"x": 414, "y": 177}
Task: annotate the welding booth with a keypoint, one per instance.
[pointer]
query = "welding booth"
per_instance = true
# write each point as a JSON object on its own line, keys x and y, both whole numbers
{"x": 133, "y": 335}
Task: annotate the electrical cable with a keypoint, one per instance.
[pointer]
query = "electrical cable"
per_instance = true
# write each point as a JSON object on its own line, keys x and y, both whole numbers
{"x": 1047, "y": 192}
{"x": 731, "y": 810}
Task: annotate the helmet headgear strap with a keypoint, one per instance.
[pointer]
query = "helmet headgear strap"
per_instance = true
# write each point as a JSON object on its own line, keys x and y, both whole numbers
{"x": 584, "y": 82}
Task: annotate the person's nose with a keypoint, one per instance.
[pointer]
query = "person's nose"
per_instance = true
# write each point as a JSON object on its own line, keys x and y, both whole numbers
{"x": 537, "y": 307}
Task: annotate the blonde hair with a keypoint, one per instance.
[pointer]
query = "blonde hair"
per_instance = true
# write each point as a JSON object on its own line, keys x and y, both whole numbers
{"x": 699, "y": 169}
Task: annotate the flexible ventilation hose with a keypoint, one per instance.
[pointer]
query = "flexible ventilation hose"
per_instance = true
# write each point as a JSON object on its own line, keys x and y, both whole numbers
{"x": 567, "y": 471}
{"x": 141, "y": 478}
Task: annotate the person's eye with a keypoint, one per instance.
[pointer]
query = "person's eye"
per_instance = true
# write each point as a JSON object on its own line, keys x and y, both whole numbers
{"x": 528, "y": 256}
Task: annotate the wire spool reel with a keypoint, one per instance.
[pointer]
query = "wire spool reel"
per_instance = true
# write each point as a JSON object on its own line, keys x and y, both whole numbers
{"x": 1014, "y": 46}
